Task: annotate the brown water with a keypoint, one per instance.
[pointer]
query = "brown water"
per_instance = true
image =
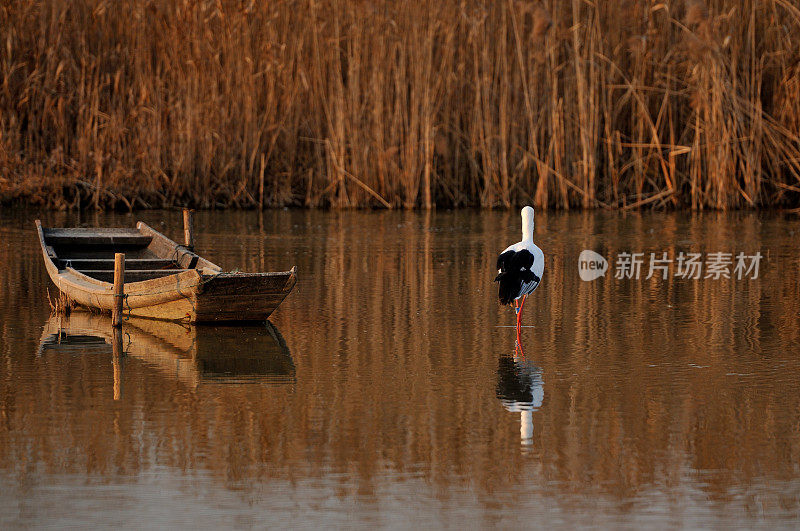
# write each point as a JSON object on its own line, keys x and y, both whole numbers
{"x": 389, "y": 394}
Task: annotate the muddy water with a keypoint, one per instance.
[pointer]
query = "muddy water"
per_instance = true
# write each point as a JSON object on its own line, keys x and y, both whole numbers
{"x": 388, "y": 390}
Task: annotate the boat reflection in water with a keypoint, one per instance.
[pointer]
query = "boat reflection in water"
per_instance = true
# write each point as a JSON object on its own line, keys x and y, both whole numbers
{"x": 520, "y": 388}
{"x": 195, "y": 355}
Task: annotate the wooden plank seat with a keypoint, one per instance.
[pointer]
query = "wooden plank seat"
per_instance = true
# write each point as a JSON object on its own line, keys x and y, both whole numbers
{"x": 107, "y": 264}
{"x": 136, "y": 275}
{"x": 96, "y": 237}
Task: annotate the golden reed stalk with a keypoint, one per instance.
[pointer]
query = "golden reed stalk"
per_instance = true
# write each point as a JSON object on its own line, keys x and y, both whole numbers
{"x": 355, "y": 103}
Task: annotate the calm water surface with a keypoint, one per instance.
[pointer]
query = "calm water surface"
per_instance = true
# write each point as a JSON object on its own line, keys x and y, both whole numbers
{"x": 388, "y": 391}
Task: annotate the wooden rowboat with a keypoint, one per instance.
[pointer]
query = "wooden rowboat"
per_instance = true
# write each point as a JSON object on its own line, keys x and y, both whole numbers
{"x": 163, "y": 280}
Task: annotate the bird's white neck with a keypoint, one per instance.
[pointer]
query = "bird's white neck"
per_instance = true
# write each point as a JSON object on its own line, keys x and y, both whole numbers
{"x": 527, "y": 224}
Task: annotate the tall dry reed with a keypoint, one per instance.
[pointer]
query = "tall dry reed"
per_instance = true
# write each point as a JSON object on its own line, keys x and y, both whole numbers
{"x": 352, "y": 103}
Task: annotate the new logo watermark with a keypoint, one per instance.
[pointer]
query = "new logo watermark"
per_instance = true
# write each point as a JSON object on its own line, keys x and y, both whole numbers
{"x": 591, "y": 265}
{"x": 693, "y": 266}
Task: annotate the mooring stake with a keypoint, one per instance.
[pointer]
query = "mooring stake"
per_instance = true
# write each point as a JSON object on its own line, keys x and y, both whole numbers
{"x": 188, "y": 228}
{"x": 119, "y": 288}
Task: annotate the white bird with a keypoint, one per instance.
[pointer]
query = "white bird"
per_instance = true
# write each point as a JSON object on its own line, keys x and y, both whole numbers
{"x": 520, "y": 268}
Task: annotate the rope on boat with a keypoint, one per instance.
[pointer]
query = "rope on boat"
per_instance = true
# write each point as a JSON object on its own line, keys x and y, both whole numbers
{"x": 188, "y": 250}
{"x": 125, "y": 300}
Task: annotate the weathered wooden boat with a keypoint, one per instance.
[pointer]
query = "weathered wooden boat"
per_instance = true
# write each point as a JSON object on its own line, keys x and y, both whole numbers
{"x": 190, "y": 354}
{"x": 163, "y": 280}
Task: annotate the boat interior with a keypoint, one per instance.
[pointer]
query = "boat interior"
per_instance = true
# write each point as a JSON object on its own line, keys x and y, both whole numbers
{"x": 91, "y": 252}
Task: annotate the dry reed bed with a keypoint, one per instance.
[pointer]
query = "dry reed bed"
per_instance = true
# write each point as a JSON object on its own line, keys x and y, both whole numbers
{"x": 351, "y": 103}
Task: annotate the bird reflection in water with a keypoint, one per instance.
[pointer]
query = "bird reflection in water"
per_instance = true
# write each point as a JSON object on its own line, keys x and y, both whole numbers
{"x": 520, "y": 388}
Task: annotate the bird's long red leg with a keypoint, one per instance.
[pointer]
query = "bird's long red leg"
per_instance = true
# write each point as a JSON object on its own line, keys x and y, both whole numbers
{"x": 519, "y": 313}
{"x": 519, "y": 318}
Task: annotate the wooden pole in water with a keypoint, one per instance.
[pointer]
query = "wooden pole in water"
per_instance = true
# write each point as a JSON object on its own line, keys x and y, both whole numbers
{"x": 119, "y": 288}
{"x": 188, "y": 228}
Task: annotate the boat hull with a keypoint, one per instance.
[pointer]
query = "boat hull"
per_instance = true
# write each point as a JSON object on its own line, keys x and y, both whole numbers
{"x": 227, "y": 297}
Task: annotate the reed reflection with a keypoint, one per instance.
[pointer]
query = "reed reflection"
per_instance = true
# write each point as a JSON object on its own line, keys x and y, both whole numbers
{"x": 520, "y": 389}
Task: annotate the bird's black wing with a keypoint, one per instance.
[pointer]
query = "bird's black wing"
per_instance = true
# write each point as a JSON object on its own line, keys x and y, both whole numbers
{"x": 514, "y": 271}
{"x": 504, "y": 261}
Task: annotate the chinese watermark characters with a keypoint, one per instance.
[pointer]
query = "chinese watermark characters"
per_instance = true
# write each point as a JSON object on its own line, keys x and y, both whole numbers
{"x": 688, "y": 266}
